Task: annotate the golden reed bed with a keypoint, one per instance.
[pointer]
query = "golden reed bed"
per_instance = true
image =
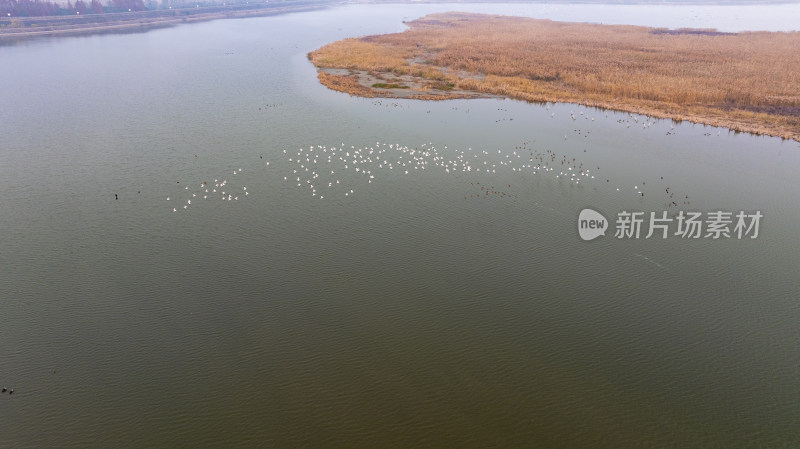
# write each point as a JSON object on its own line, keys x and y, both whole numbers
{"x": 744, "y": 81}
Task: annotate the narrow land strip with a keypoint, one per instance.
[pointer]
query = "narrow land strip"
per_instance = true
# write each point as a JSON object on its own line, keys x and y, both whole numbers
{"x": 20, "y": 28}
{"x": 747, "y": 82}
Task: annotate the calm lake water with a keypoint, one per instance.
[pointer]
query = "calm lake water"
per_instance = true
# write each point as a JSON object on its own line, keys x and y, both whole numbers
{"x": 386, "y": 309}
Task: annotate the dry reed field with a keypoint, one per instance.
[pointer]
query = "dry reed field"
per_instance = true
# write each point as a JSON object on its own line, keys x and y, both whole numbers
{"x": 744, "y": 81}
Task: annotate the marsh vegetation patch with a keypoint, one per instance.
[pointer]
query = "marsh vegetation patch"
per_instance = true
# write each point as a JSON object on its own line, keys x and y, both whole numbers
{"x": 742, "y": 81}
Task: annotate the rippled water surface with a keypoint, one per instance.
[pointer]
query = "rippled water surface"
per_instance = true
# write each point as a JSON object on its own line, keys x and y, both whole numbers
{"x": 380, "y": 273}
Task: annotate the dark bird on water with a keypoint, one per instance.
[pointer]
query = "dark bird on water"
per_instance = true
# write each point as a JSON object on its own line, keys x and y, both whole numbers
{"x": 116, "y": 197}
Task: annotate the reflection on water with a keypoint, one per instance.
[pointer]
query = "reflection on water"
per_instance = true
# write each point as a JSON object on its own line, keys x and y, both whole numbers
{"x": 393, "y": 273}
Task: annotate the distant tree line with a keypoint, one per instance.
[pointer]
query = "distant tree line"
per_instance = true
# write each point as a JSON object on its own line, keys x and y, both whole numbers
{"x": 38, "y": 8}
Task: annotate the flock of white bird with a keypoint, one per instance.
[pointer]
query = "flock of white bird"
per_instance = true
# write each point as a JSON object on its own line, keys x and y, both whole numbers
{"x": 325, "y": 171}
{"x": 321, "y": 169}
{"x": 220, "y": 189}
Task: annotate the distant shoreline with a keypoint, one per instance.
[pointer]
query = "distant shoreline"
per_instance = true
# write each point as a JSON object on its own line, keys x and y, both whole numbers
{"x": 594, "y": 2}
{"x": 22, "y": 28}
{"x": 741, "y": 81}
